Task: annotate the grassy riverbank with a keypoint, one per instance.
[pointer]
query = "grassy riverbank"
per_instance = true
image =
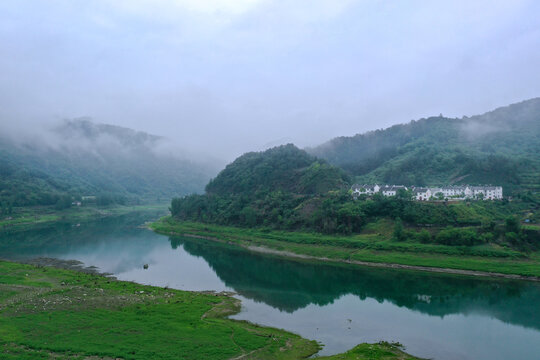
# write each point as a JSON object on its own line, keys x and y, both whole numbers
{"x": 375, "y": 247}
{"x": 27, "y": 218}
{"x": 64, "y": 314}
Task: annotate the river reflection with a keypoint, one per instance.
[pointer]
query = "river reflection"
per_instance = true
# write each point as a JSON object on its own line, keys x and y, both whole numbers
{"x": 434, "y": 315}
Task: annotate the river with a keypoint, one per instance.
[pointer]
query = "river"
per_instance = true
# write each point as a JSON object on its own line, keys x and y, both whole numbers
{"x": 435, "y": 316}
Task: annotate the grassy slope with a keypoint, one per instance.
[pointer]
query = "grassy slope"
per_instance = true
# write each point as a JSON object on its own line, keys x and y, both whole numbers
{"x": 62, "y": 314}
{"x": 370, "y": 247}
{"x": 25, "y": 218}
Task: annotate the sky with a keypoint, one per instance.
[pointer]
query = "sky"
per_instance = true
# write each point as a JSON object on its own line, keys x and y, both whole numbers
{"x": 225, "y": 77}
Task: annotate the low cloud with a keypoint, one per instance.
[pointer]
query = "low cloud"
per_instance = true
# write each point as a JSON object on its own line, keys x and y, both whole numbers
{"x": 225, "y": 77}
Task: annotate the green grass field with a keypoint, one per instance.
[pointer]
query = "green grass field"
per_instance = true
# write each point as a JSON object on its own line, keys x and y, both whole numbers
{"x": 373, "y": 245}
{"x": 51, "y": 313}
{"x": 62, "y": 314}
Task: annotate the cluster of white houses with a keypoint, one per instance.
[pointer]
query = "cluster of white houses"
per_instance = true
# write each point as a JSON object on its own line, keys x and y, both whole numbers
{"x": 434, "y": 193}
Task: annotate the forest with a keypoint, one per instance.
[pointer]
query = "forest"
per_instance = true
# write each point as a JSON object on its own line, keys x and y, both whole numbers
{"x": 111, "y": 164}
{"x": 500, "y": 147}
{"x": 287, "y": 189}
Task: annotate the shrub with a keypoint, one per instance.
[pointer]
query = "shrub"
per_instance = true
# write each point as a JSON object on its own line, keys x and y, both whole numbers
{"x": 454, "y": 236}
{"x": 424, "y": 236}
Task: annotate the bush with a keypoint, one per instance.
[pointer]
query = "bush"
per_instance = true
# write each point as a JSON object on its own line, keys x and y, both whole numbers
{"x": 399, "y": 233}
{"x": 454, "y": 236}
{"x": 424, "y": 236}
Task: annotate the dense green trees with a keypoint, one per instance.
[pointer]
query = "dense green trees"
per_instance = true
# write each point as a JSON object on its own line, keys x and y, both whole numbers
{"x": 287, "y": 188}
{"x": 336, "y": 212}
{"x": 284, "y": 168}
{"x": 115, "y": 163}
{"x": 283, "y": 187}
{"x": 500, "y": 147}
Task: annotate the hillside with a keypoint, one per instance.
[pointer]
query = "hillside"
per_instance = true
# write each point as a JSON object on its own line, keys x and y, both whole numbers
{"x": 80, "y": 158}
{"x": 283, "y": 168}
{"x": 498, "y": 147}
{"x": 280, "y": 187}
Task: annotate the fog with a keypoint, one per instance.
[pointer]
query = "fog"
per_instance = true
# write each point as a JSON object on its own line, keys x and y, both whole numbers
{"x": 225, "y": 77}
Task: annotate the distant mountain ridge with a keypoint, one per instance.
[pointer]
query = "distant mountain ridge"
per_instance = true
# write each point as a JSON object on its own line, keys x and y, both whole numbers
{"x": 79, "y": 157}
{"x": 85, "y": 129}
{"x": 498, "y": 147}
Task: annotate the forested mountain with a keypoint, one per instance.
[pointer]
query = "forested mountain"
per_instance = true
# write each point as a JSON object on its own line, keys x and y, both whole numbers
{"x": 286, "y": 188}
{"x": 499, "y": 147}
{"x": 283, "y": 168}
{"x": 80, "y": 158}
{"x": 281, "y": 187}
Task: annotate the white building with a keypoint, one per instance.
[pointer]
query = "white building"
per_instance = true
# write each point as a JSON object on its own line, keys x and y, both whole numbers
{"x": 434, "y": 193}
{"x": 392, "y": 190}
{"x": 422, "y": 194}
{"x": 487, "y": 192}
{"x": 365, "y": 189}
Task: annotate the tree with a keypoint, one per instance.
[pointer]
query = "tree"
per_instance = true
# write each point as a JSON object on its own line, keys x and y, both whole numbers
{"x": 424, "y": 236}
{"x": 399, "y": 232}
{"x": 512, "y": 224}
{"x": 63, "y": 203}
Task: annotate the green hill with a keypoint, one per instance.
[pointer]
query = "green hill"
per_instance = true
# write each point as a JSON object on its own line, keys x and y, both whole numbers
{"x": 283, "y": 168}
{"x": 280, "y": 188}
{"x": 81, "y": 158}
{"x": 288, "y": 189}
{"x": 499, "y": 147}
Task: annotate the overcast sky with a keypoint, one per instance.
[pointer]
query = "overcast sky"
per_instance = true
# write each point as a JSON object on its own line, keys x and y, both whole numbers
{"x": 240, "y": 75}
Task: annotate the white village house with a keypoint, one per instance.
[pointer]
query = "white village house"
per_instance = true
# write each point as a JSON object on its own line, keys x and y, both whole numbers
{"x": 392, "y": 190}
{"x": 428, "y": 193}
{"x": 365, "y": 189}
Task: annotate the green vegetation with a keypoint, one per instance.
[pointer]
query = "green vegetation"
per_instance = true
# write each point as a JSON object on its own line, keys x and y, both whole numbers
{"x": 56, "y": 313}
{"x": 284, "y": 168}
{"x": 454, "y": 224}
{"x": 379, "y": 351}
{"x": 500, "y": 147}
{"x": 113, "y": 165}
{"x": 63, "y": 314}
{"x": 268, "y": 191}
{"x": 375, "y": 244}
{"x": 279, "y": 187}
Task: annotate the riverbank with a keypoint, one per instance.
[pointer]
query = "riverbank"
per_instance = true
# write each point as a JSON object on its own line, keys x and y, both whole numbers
{"x": 28, "y": 218}
{"x": 367, "y": 250}
{"x": 48, "y": 312}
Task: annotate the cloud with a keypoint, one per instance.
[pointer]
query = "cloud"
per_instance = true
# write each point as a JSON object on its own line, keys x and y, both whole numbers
{"x": 230, "y": 76}
{"x": 174, "y": 7}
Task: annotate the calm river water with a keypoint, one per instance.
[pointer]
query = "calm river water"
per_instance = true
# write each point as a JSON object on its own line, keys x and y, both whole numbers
{"x": 434, "y": 316}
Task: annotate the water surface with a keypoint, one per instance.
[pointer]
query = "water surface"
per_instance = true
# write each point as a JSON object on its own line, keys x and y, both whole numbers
{"x": 434, "y": 315}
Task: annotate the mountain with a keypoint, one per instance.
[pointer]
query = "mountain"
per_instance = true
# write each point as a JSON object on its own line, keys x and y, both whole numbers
{"x": 287, "y": 188}
{"x": 281, "y": 187}
{"x": 81, "y": 158}
{"x": 283, "y": 168}
{"x": 498, "y": 147}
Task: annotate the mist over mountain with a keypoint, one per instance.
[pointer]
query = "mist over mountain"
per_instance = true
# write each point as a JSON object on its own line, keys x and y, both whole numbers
{"x": 81, "y": 158}
{"x": 498, "y": 147}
